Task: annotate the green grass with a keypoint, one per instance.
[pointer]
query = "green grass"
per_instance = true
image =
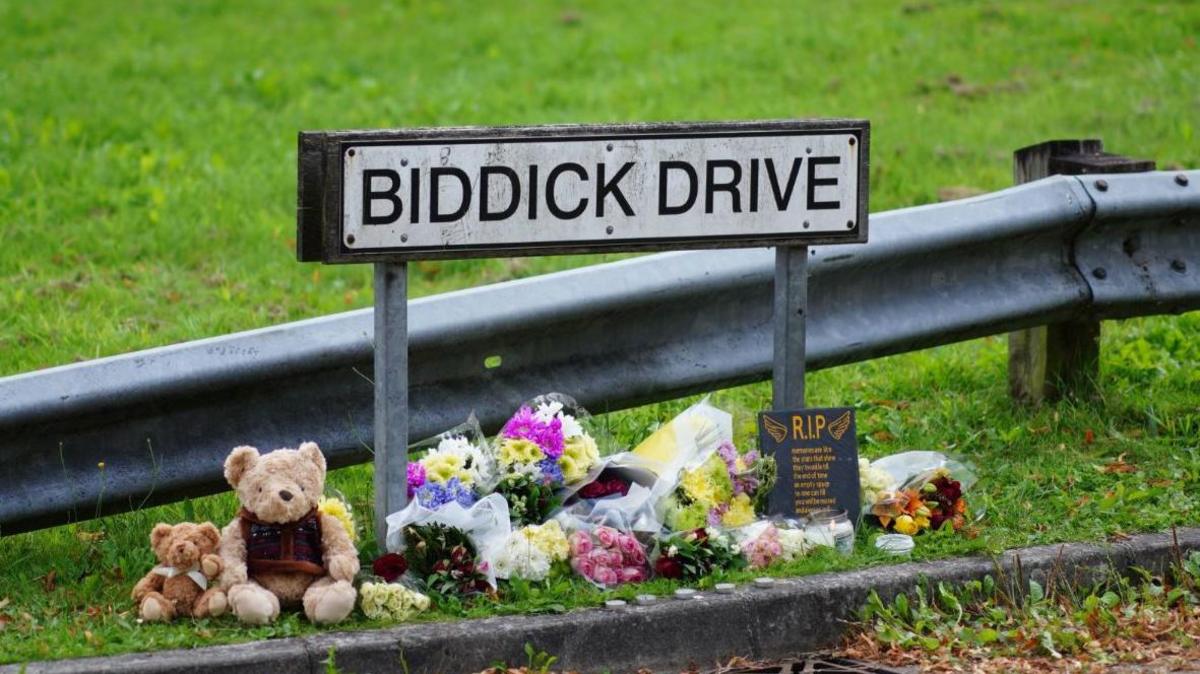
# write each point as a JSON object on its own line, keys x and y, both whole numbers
{"x": 147, "y": 182}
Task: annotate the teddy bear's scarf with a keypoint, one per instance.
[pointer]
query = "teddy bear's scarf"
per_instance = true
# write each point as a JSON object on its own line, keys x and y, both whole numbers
{"x": 193, "y": 573}
{"x": 288, "y": 547}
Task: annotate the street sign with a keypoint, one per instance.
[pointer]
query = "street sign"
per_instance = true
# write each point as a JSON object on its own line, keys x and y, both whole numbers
{"x": 388, "y": 197}
{"x": 457, "y": 193}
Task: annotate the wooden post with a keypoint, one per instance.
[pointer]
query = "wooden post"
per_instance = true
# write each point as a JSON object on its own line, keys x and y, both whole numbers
{"x": 1050, "y": 362}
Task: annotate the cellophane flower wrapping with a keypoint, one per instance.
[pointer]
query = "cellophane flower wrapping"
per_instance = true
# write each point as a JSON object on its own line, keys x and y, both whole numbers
{"x": 541, "y": 449}
{"x": 531, "y": 552}
{"x": 391, "y": 602}
{"x": 692, "y": 554}
{"x": 485, "y": 523}
{"x": 445, "y": 561}
{"x": 623, "y": 486}
{"x": 765, "y": 542}
{"x": 455, "y": 466}
{"x": 606, "y": 553}
{"x": 926, "y": 491}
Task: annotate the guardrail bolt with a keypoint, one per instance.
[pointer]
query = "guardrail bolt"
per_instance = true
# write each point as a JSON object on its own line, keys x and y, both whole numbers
{"x": 1102, "y": 185}
{"x": 1181, "y": 180}
{"x": 1179, "y": 266}
{"x": 1100, "y": 273}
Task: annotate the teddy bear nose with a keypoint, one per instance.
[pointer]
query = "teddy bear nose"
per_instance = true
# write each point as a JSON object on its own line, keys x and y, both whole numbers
{"x": 285, "y": 495}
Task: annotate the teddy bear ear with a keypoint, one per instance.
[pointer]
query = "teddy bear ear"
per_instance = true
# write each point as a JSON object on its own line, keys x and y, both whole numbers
{"x": 209, "y": 531}
{"x": 158, "y": 533}
{"x": 312, "y": 452}
{"x": 240, "y": 460}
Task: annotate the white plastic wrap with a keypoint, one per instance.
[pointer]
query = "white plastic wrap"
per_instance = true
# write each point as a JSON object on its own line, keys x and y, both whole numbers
{"x": 486, "y": 524}
{"x": 911, "y": 468}
{"x": 635, "y": 510}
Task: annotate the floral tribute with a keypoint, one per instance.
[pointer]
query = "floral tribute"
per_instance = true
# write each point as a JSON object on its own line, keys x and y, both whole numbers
{"x": 722, "y": 491}
{"x": 532, "y": 551}
{"x": 456, "y": 470}
{"x": 338, "y": 508}
{"x": 540, "y": 450}
{"x": 608, "y": 557}
{"x": 390, "y": 602}
{"x": 445, "y": 560}
{"x": 689, "y": 555}
{"x": 930, "y": 504}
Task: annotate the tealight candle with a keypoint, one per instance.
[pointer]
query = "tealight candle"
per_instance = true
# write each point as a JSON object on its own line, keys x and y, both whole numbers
{"x": 725, "y": 588}
{"x": 614, "y": 603}
{"x": 645, "y": 599}
{"x": 832, "y": 529}
{"x": 685, "y": 593}
{"x": 764, "y": 582}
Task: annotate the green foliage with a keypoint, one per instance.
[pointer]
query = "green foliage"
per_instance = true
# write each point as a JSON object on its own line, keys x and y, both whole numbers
{"x": 1014, "y": 618}
{"x": 529, "y": 500}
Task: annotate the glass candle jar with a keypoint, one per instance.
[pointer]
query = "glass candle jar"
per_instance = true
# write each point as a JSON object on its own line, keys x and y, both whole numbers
{"x": 831, "y": 528}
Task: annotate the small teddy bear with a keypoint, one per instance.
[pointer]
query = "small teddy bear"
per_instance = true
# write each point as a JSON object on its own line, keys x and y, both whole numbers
{"x": 179, "y": 584}
{"x": 280, "y": 550}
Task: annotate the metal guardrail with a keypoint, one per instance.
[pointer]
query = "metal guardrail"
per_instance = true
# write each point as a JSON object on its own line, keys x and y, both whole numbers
{"x": 613, "y": 335}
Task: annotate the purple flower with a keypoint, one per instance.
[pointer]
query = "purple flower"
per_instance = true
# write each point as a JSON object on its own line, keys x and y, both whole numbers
{"x": 715, "y": 514}
{"x": 433, "y": 495}
{"x": 523, "y": 424}
{"x": 550, "y": 438}
{"x": 551, "y": 471}
{"x": 416, "y": 476}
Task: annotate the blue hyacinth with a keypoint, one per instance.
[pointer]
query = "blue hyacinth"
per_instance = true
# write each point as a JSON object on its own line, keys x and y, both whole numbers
{"x": 551, "y": 471}
{"x": 433, "y": 495}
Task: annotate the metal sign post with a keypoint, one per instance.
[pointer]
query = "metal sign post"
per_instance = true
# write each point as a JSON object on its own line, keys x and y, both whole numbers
{"x": 386, "y": 197}
{"x": 391, "y": 392}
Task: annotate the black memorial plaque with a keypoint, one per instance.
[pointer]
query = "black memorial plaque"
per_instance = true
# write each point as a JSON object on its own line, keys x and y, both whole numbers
{"x": 816, "y": 451}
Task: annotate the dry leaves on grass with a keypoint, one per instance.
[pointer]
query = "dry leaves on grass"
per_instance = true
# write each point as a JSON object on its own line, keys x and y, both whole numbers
{"x": 1118, "y": 465}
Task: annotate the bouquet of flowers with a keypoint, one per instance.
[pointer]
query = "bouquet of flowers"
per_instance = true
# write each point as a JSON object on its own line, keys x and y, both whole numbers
{"x": 455, "y": 468}
{"x": 688, "y": 555}
{"x": 925, "y": 492}
{"x": 338, "y": 507}
{"x": 764, "y": 542}
{"x": 445, "y": 560}
{"x": 484, "y": 526}
{"x": 721, "y": 491}
{"x": 390, "y": 601}
{"x": 607, "y": 556}
{"x": 531, "y": 551}
{"x": 541, "y": 449}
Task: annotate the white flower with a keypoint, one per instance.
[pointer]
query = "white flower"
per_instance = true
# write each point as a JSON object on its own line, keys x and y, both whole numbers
{"x": 546, "y": 412}
{"x": 672, "y": 551}
{"x": 521, "y": 558}
{"x": 479, "y": 464}
{"x": 390, "y": 601}
{"x": 872, "y": 482}
{"x": 794, "y": 544}
{"x": 570, "y": 427}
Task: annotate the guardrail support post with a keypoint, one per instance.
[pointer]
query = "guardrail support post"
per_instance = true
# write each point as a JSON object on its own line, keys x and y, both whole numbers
{"x": 391, "y": 393}
{"x": 790, "y": 309}
{"x": 1050, "y": 362}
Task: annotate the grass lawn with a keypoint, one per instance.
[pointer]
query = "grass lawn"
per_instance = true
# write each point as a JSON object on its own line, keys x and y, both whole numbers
{"x": 147, "y": 196}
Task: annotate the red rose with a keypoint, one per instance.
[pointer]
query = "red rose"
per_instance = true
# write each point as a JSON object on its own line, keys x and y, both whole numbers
{"x": 701, "y": 534}
{"x": 668, "y": 568}
{"x": 390, "y": 566}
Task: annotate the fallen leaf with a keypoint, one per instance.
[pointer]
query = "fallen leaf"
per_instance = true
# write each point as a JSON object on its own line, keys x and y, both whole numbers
{"x": 89, "y": 536}
{"x": 1089, "y": 437}
{"x": 48, "y": 580}
{"x": 883, "y": 436}
{"x": 1119, "y": 466}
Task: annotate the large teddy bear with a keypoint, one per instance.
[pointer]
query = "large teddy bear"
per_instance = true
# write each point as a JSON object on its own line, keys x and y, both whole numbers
{"x": 279, "y": 550}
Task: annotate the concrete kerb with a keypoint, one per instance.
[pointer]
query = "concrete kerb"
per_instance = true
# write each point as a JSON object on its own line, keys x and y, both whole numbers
{"x": 794, "y": 616}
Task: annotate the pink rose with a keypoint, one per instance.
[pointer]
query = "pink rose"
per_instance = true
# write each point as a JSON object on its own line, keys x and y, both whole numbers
{"x": 615, "y": 559}
{"x": 597, "y": 556}
{"x": 581, "y": 544}
{"x": 627, "y": 543}
{"x": 607, "y": 536}
{"x": 606, "y": 576}
{"x": 584, "y": 567}
{"x": 638, "y": 557}
{"x": 632, "y": 574}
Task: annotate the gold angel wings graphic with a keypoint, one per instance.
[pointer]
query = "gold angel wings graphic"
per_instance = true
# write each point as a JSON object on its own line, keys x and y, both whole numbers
{"x": 840, "y": 425}
{"x": 775, "y": 429}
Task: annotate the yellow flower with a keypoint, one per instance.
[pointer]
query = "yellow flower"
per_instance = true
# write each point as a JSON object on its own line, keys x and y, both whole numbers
{"x": 335, "y": 507}
{"x": 519, "y": 450}
{"x": 905, "y": 524}
{"x": 549, "y": 538}
{"x": 440, "y": 467}
{"x": 579, "y": 453}
{"x": 740, "y": 513}
{"x": 698, "y": 487}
